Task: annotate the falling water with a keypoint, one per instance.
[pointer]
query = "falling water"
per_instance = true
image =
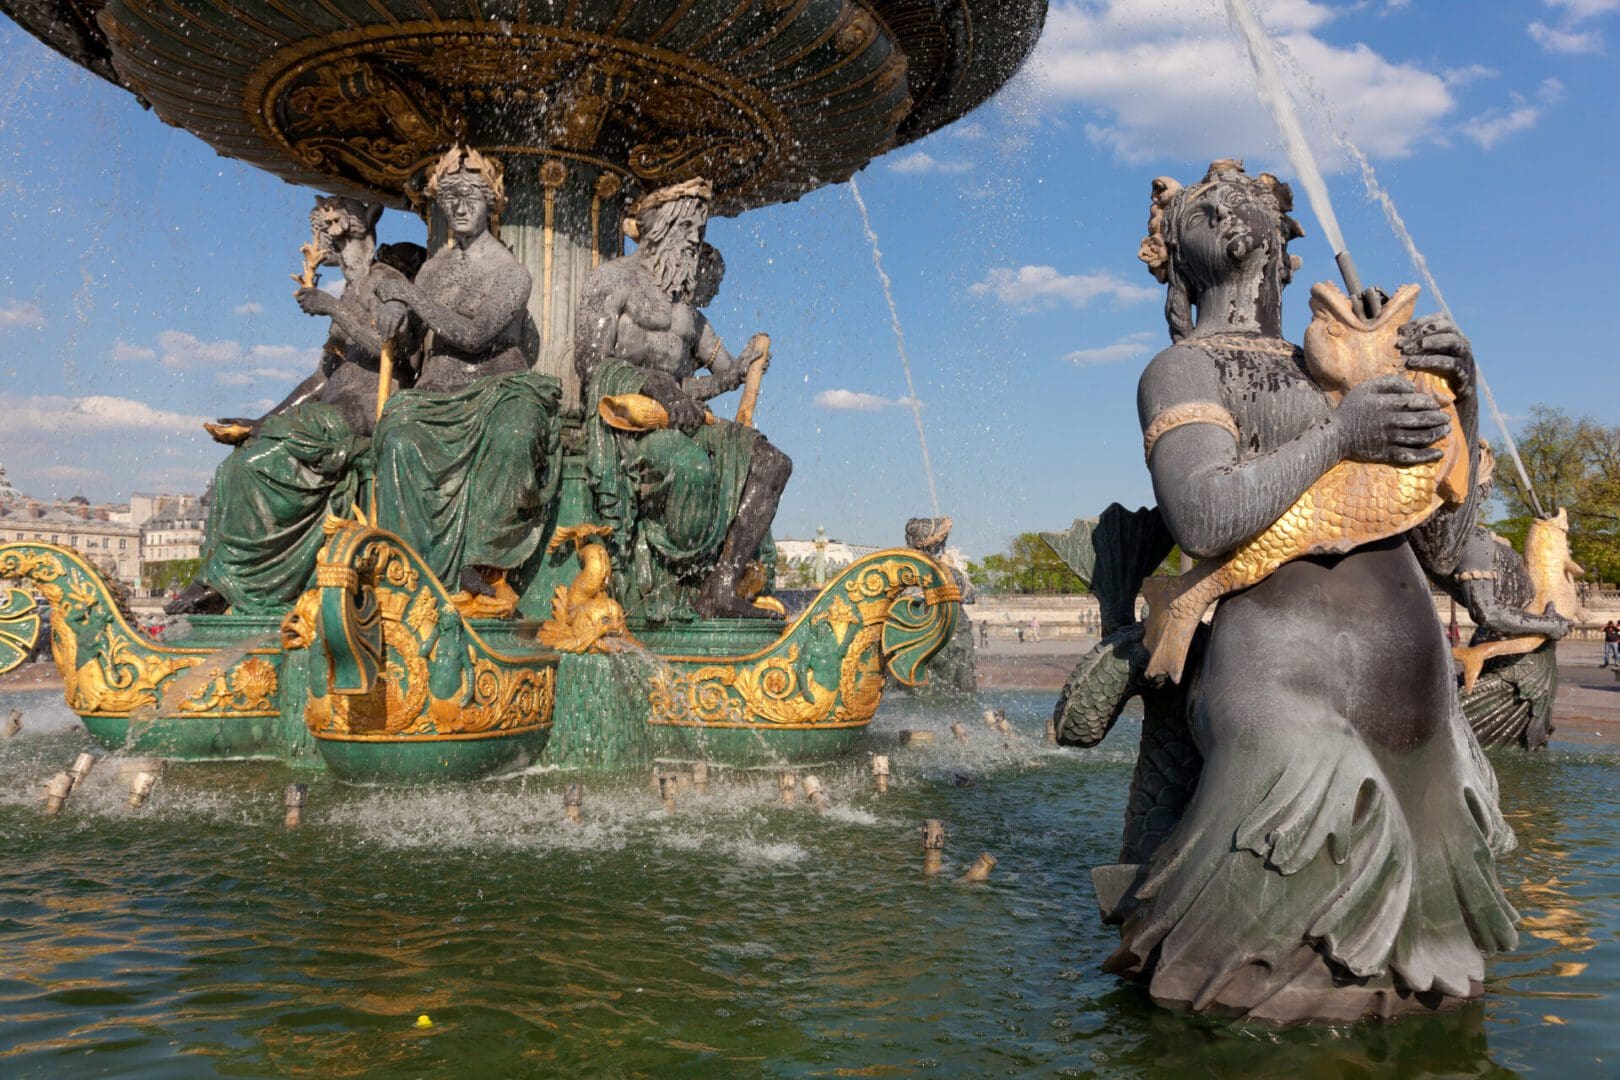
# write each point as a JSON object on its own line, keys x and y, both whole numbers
{"x": 1275, "y": 97}
{"x": 1397, "y": 224}
{"x": 899, "y": 340}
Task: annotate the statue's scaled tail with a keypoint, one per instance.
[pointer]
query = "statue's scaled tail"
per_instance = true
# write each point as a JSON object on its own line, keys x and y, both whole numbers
{"x": 1176, "y": 606}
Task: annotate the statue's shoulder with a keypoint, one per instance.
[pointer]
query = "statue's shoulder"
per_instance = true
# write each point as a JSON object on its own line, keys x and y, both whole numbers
{"x": 1181, "y": 373}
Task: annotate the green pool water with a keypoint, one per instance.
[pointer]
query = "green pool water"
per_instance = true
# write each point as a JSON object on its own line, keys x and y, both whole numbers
{"x": 737, "y": 937}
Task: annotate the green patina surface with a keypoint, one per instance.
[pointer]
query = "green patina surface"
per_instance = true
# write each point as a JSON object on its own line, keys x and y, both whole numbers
{"x": 423, "y": 761}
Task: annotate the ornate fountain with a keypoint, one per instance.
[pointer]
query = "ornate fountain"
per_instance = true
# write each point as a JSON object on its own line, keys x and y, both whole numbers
{"x": 576, "y": 123}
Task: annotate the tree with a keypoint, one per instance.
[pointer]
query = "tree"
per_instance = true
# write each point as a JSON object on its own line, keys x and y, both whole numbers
{"x": 1574, "y": 463}
{"x": 1028, "y": 566}
{"x": 161, "y": 577}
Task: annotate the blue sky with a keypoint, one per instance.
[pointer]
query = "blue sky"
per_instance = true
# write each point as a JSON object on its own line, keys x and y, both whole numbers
{"x": 147, "y": 283}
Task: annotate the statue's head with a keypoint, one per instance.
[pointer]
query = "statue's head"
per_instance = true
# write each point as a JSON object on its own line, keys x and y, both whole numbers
{"x": 669, "y": 225}
{"x": 1228, "y": 224}
{"x": 336, "y": 219}
{"x": 928, "y": 535}
{"x": 711, "y": 271}
{"x": 469, "y": 189}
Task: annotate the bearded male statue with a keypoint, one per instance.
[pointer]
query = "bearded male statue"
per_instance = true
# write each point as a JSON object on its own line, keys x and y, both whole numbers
{"x": 691, "y": 497}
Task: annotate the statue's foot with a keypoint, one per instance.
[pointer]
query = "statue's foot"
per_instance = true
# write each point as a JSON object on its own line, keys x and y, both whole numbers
{"x": 474, "y": 582}
{"x": 719, "y": 600}
{"x": 198, "y": 598}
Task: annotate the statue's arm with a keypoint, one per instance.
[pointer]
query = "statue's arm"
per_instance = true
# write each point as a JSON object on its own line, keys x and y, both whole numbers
{"x": 507, "y": 295}
{"x": 1211, "y": 500}
{"x": 1476, "y": 583}
{"x": 726, "y": 371}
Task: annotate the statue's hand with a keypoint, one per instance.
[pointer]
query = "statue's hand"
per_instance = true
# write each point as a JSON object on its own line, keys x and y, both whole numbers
{"x": 316, "y": 302}
{"x": 686, "y": 414}
{"x": 391, "y": 289}
{"x": 1386, "y": 421}
{"x": 1434, "y": 344}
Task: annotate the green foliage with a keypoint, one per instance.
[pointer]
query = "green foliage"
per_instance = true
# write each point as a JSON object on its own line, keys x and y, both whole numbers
{"x": 161, "y": 577}
{"x": 1028, "y": 566}
{"x": 1574, "y": 463}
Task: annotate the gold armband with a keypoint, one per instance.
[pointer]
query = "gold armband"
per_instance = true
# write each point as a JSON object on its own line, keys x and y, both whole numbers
{"x": 1192, "y": 412}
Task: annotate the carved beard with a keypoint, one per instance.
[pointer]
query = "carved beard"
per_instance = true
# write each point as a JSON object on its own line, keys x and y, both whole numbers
{"x": 673, "y": 270}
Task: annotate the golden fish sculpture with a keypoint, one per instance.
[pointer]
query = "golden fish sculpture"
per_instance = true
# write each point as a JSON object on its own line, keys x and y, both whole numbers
{"x": 1352, "y": 504}
{"x": 1552, "y": 574}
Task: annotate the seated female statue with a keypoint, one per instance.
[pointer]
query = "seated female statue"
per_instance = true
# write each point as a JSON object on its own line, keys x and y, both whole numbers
{"x": 467, "y": 459}
{"x": 308, "y": 457}
{"x": 1337, "y": 857}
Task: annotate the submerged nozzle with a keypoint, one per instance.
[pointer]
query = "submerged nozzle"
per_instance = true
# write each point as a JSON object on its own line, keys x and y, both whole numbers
{"x": 700, "y": 777}
{"x": 788, "y": 784}
{"x": 294, "y": 801}
{"x": 141, "y": 789}
{"x": 57, "y": 789}
{"x": 12, "y": 725}
{"x": 933, "y": 845}
{"x": 813, "y": 792}
{"x": 81, "y": 767}
{"x": 880, "y": 772}
{"x": 980, "y": 870}
{"x": 573, "y": 799}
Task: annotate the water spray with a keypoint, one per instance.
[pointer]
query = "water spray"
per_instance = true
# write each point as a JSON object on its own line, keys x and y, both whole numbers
{"x": 1268, "y": 84}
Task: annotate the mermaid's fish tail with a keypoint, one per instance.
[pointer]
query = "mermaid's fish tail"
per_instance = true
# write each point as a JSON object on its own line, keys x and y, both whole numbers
{"x": 1176, "y": 606}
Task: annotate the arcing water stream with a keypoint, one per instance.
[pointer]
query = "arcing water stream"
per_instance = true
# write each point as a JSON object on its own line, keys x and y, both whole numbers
{"x": 899, "y": 340}
{"x": 1263, "y": 51}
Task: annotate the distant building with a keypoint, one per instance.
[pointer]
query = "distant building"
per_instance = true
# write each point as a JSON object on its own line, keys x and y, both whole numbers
{"x": 803, "y": 552}
{"x": 110, "y": 546}
{"x": 143, "y": 506}
{"x": 174, "y": 534}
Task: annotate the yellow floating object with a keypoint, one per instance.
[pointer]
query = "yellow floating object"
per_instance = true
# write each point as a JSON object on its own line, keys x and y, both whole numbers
{"x": 423, "y": 1021}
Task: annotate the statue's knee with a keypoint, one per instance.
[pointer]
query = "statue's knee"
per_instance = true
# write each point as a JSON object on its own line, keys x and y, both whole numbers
{"x": 773, "y": 466}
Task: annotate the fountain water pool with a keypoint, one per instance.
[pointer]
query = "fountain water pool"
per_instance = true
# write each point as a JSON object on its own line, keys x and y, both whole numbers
{"x": 736, "y": 937}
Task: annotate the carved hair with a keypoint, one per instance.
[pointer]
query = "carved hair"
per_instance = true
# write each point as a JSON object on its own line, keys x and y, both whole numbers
{"x": 461, "y": 166}
{"x": 926, "y": 534}
{"x": 673, "y": 269}
{"x": 1160, "y": 249}
{"x": 358, "y": 218}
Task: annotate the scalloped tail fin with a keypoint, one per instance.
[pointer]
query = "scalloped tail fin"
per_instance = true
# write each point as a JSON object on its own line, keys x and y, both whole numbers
{"x": 1176, "y": 606}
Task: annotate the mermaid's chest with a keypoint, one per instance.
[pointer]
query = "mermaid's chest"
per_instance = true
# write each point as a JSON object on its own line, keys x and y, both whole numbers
{"x": 1270, "y": 397}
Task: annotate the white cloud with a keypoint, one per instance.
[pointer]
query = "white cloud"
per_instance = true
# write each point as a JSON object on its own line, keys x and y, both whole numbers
{"x": 246, "y": 376}
{"x": 1568, "y": 37}
{"x": 73, "y": 472}
{"x": 918, "y": 162}
{"x": 21, "y": 313}
{"x": 1468, "y": 73}
{"x": 1494, "y": 125}
{"x": 1130, "y": 347}
{"x": 1031, "y": 287}
{"x": 123, "y": 351}
{"x": 251, "y": 307}
{"x": 1568, "y": 42}
{"x": 857, "y": 401}
{"x": 180, "y": 350}
{"x": 1155, "y": 80}
{"x": 91, "y": 415}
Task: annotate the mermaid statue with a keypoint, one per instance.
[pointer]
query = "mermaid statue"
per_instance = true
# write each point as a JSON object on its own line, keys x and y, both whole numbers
{"x": 1335, "y": 858}
{"x": 309, "y": 457}
{"x": 468, "y": 458}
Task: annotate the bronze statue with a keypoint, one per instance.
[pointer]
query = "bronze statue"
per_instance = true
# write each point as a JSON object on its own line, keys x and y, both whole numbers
{"x": 468, "y": 464}
{"x": 691, "y": 497}
{"x": 1336, "y": 856}
{"x": 308, "y": 457}
{"x": 955, "y": 669}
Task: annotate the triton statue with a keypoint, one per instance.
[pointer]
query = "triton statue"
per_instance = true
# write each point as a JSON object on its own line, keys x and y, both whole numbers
{"x": 690, "y": 497}
{"x": 1335, "y": 857}
{"x": 306, "y": 458}
{"x": 468, "y": 458}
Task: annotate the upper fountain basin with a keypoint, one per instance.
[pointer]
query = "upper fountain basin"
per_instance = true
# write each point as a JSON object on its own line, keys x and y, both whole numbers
{"x": 768, "y": 99}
